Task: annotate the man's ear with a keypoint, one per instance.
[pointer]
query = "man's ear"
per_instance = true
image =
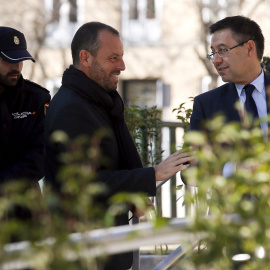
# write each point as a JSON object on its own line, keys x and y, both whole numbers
{"x": 85, "y": 58}
{"x": 251, "y": 47}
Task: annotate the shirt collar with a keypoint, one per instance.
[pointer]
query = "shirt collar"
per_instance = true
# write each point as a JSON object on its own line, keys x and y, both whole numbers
{"x": 258, "y": 83}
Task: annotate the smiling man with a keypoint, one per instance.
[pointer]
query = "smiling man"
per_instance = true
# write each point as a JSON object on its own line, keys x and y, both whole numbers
{"x": 88, "y": 102}
{"x": 237, "y": 47}
{"x": 22, "y": 114}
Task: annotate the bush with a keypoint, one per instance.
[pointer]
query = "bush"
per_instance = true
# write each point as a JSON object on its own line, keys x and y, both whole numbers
{"x": 245, "y": 194}
{"x": 143, "y": 124}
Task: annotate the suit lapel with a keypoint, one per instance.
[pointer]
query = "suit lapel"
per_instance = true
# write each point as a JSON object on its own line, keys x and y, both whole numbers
{"x": 267, "y": 90}
{"x": 228, "y": 100}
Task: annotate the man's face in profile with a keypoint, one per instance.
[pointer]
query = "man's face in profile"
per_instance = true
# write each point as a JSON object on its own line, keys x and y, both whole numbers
{"x": 108, "y": 64}
{"x": 234, "y": 65}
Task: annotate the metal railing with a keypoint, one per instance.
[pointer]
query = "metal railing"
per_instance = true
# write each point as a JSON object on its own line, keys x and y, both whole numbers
{"x": 175, "y": 256}
{"x": 120, "y": 239}
{"x": 114, "y": 240}
{"x": 172, "y": 126}
{"x": 170, "y": 148}
{"x": 169, "y": 145}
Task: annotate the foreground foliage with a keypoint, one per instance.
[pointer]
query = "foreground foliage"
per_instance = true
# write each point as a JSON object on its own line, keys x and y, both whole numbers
{"x": 80, "y": 208}
{"x": 245, "y": 193}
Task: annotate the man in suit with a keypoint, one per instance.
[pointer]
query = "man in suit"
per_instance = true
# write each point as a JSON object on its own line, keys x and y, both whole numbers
{"x": 237, "y": 46}
{"x": 88, "y": 102}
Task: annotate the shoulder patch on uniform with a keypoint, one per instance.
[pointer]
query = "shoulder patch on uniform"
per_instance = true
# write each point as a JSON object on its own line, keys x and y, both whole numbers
{"x": 46, "y": 106}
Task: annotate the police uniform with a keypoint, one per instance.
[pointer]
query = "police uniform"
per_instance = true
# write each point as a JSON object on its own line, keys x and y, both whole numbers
{"x": 22, "y": 114}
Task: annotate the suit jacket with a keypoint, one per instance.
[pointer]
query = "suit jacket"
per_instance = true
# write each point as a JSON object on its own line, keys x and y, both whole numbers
{"x": 219, "y": 100}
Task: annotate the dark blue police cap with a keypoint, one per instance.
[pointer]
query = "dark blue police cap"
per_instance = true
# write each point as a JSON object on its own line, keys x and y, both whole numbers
{"x": 13, "y": 48}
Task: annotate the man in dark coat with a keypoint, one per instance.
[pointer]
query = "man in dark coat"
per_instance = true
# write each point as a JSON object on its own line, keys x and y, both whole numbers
{"x": 237, "y": 46}
{"x": 22, "y": 107}
{"x": 88, "y": 102}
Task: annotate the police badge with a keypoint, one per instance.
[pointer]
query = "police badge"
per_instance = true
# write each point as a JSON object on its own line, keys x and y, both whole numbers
{"x": 16, "y": 40}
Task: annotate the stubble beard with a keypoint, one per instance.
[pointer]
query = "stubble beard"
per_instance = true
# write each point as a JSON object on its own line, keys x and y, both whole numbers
{"x": 7, "y": 82}
{"x": 98, "y": 75}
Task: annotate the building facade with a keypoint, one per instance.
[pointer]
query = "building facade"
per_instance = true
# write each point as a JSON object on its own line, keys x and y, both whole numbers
{"x": 165, "y": 43}
{"x": 163, "y": 40}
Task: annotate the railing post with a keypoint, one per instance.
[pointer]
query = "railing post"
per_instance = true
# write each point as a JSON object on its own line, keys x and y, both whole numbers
{"x": 136, "y": 253}
{"x": 188, "y": 206}
{"x": 158, "y": 153}
{"x": 173, "y": 178}
{"x": 144, "y": 144}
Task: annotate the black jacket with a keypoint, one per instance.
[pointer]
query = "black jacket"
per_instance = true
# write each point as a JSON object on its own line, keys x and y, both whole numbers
{"x": 22, "y": 131}
{"x": 81, "y": 107}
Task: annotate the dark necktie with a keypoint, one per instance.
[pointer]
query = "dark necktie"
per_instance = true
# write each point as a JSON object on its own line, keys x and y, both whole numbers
{"x": 250, "y": 105}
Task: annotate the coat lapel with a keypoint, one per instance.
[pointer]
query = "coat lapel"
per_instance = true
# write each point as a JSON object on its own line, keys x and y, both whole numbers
{"x": 267, "y": 90}
{"x": 229, "y": 98}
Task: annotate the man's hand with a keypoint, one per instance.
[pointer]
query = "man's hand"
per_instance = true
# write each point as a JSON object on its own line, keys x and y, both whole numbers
{"x": 172, "y": 164}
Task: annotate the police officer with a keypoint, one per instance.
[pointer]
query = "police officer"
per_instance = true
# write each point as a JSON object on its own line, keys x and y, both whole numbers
{"x": 22, "y": 112}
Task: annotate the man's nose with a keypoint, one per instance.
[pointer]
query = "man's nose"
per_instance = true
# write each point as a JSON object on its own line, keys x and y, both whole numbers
{"x": 15, "y": 66}
{"x": 121, "y": 65}
{"x": 217, "y": 58}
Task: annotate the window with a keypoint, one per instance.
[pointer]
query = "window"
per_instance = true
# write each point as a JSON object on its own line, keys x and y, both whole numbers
{"x": 143, "y": 90}
{"x": 147, "y": 93}
{"x": 141, "y": 21}
{"x": 150, "y": 10}
{"x": 133, "y": 10}
{"x": 64, "y": 16}
{"x": 73, "y": 11}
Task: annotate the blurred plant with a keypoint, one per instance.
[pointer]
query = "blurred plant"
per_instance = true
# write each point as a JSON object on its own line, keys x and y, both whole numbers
{"x": 72, "y": 207}
{"x": 143, "y": 125}
{"x": 184, "y": 114}
{"x": 77, "y": 205}
{"x": 245, "y": 193}
{"x": 83, "y": 203}
{"x": 266, "y": 64}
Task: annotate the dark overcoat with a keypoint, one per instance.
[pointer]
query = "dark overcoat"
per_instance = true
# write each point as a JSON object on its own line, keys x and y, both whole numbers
{"x": 79, "y": 109}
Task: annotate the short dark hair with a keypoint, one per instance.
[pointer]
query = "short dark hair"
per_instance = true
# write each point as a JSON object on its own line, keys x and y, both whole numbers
{"x": 87, "y": 38}
{"x": 243, "y": 29}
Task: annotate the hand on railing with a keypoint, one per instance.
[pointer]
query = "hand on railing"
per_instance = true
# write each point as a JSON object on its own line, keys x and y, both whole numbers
{"x": 173, "y": 164}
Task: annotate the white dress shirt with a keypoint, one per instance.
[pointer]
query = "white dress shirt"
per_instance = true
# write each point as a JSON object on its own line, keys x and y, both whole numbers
{"x": 259, "y": 97}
